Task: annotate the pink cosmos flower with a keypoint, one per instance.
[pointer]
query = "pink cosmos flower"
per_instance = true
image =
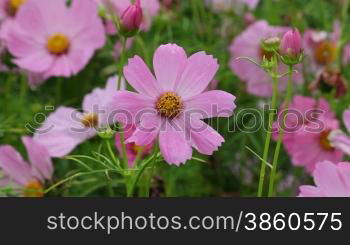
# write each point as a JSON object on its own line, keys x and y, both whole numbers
{"x": 331, "y": 180}
{"x": 248, "y": 44}
{"x": 339, "y": 139}
{"x": 312, "y": 144}
{"x": 320, "y": 47}
{"x": 170, "y": 107}
{"x": 302, "y": 111}
{"x": 29, "y": 177}
{"x": 132, "y": 150}
{"x": 67, "y": 127}
{"x": 51, "y": 38}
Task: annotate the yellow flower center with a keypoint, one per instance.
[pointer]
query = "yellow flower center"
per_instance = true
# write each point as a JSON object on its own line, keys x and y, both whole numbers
{"x": 325, "y": 53}
{"x": 13, "y": 6}
{"x": 137, "y": 148}
{"x": 90, "y": 120}
{"x": 58, "y": 44}
{"x": 33, "y": 189}
{"x": 324, "y": 141}
{"x": 169, "y": 105}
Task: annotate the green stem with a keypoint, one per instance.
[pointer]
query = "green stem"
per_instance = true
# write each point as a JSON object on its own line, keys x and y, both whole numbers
{"x": 268, "y": 135}
{"x": 110, "y": 151}
{"x": 281, "y": 132}
{"x": 342, "y": 41}
{"x": 120, "y": 76}
{"x": 121, "y": 64}
{"x": 134, "y": 181}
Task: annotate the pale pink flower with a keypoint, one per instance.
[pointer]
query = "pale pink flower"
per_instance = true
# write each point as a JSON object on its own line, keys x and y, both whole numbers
{"x": 339, "y": 139}
{"x": 248, "y": 44}
{"x": 29, "y": 177}
{"x": 320, "y": 47}
{"x": 170, "y": 107}
{"x": 67, "y": 127}
{"x": 51, "y": 38}
{"x": 331, "y": 180}
{"x": 132, "y": 150}
{"x": 311, "y": 144}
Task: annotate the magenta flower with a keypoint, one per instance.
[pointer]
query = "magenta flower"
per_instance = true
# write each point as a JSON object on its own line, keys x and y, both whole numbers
{"x": 67, "y": 127}
{"x": 291, "y": 44}
{"x": 170, "y": 107}
{"x": 132, "y": 150}
{"x": 248, "y": 44}
{"x": 300, "y": 114}
{"x": 312, "y": 144}
{"x": 309, "y": 124}
{"x": 131, "y": 18}
{"x": 331, "y": 180}
{"x": 29, "y": 177}
{"x": 51, "y": 38}
{"x": 339, "y": 139}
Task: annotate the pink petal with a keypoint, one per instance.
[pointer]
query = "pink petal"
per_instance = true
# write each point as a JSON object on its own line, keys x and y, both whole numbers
{"x": 173, "y": 144}
{"x": 60, "y": 67}
{"x": 327, "y": 179}
{"x": 344, "y": 174}
{"x": 32, "y": 20}
{"x": 346, "y": 119}
{"x": 140, "y": 78}
{"x": 204, "y": 138}
{"x": 310, "y": 191}
{"x": 209, "y": 104}
{"x": 128, "y": 107}
{"x": 340, "y": 141}
{"x": 168, "y": 63}
{"x": 199, "y": 71}
{"x": 13, "y": 165}
{"x": 37, "y": 62}
{"x": 39, "y": 157}
{"x": 147, "y": 130}
{"x": 62, "y": 131}
{"x": 77, "y": 59}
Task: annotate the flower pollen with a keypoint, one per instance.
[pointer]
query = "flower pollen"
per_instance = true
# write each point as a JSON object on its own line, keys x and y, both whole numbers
{"x": 33, "y": 189}
{"x": 13, "y": 6}
{"x": 324, "y": 141}
{"x": 58, "y": 44}
{"x": 90, "y": 120}
{"x": 169, "y": 105}
{"x": 325, "y": 53}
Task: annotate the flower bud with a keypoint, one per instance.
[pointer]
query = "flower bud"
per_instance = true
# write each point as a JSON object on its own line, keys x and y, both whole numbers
{"x": 106, "y": 133}
{"x": 131, "y": 19}
{"x": 271, "y": 44}
{"x": 291, "y": 47}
